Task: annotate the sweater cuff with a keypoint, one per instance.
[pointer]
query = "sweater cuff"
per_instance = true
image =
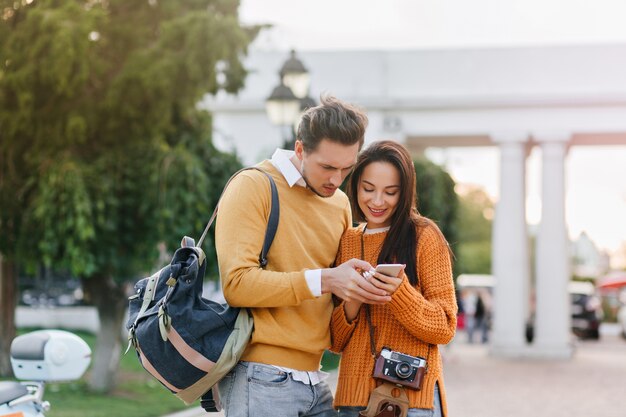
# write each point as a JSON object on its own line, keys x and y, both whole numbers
{"x": 341, "y": 329}
{"x": 301, "y": 287}
{"x": 340, "y": 320}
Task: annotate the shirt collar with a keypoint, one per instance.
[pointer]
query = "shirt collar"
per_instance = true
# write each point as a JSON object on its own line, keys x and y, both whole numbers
{"x": 282, "y": 161}
{"x": 377, "y": 230}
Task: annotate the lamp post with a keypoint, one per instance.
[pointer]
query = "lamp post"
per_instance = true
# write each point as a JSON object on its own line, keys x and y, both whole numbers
{"x": 290, "y": 98}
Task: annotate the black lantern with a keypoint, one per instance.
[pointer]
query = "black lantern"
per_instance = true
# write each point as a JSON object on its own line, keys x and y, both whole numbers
{"x": 290, "y": 98}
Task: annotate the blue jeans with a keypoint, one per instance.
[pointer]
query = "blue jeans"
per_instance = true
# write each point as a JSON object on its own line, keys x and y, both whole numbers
{"x": 413, "y": 412}
{"x": 257, "y": 390}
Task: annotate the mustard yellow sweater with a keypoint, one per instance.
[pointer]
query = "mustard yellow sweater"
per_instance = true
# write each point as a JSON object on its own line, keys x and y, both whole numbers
{"x": 415, "y": 317}
{"x": 291, "y": 326}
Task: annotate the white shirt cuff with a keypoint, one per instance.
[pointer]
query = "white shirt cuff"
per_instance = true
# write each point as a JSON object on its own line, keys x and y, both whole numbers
{"x": 313, "y": 279}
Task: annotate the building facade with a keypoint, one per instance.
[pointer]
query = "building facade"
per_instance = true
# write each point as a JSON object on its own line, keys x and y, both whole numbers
{"x": 510, "y": 98}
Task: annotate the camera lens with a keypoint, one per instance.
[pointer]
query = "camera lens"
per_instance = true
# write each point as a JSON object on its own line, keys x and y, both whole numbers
{"x": 404, "y": 370}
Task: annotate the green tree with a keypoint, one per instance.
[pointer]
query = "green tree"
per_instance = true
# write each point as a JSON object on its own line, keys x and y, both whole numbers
{"x": 437, "y": 200}
{"x": 8, "y": 283}
{"x": 102, "y": 150}
{"x": 475, "y": 223}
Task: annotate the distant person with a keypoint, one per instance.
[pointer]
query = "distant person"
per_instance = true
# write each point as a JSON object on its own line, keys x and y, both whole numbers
{"x": 423, "y": 308}
{"x": 460, "y": 321}
{"x": 468, "y": 298}
{"x": 480, "y": 318}
{"x": 290, "y": 299}
{"x": 476, "y": 316}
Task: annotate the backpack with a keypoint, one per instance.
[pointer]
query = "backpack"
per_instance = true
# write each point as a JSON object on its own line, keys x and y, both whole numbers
{"x": 186, "y": 342}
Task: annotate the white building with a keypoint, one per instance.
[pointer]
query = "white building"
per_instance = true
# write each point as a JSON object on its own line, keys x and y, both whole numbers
{"x": 587, "y": 260}
{"x": 510, "y": 98}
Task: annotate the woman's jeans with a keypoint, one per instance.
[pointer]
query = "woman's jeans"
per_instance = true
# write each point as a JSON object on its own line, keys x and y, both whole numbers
{"x": 413, "y": 412}
{"x": 257, "y": 390}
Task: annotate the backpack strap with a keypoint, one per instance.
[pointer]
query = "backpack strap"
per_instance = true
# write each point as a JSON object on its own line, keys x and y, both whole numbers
{"x": 210, "y": 401}
{"x": 148, "y": 296}
{"x": 272, "y": 223}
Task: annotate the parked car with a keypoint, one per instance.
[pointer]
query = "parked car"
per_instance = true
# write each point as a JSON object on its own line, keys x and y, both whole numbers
{"x": 49, "y": 288}
{"x": 586, "y": 307}
{"x": 586, "y": 310}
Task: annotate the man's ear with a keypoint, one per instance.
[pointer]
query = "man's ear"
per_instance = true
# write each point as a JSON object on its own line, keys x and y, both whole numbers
{"x": 299, "y": 149}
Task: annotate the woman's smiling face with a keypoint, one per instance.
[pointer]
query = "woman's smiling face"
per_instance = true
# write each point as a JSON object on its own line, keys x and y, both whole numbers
{"x": 379, "y": 193}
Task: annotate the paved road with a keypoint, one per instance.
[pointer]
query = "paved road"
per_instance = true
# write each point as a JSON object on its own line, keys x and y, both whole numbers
{"x": 591, "y": 384}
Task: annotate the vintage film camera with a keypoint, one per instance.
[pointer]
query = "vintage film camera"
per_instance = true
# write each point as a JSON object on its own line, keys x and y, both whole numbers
{"x": 401, "y": 369}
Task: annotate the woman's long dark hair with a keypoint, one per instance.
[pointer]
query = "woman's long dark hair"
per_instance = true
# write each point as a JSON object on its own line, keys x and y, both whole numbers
{"x": 400, "y": 245}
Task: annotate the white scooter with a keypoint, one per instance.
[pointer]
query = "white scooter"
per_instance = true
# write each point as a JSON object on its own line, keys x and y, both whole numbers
{"x": 36, "y": 358}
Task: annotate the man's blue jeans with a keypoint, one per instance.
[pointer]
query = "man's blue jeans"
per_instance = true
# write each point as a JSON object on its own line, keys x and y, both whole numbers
{"x": 257, "y": 390}
{"x": 413, "y": 412}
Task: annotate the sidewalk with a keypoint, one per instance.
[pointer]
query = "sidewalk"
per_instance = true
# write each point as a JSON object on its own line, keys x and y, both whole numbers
{"x": 592, "y": 383}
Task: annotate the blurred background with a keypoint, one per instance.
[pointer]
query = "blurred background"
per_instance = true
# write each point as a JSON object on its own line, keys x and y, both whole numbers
{"x": 120, "y": 123}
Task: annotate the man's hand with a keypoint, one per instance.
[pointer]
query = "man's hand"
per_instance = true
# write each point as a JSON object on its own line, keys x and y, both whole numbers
{"x": 346, "y": 282}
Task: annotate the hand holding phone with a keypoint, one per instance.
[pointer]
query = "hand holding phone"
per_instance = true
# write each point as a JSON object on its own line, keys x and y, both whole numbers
{"x": 386, "y": 277}
{"x": 391, "y": 270}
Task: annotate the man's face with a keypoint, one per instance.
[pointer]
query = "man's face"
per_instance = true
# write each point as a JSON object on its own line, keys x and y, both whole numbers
{"x": 325, "y": 168}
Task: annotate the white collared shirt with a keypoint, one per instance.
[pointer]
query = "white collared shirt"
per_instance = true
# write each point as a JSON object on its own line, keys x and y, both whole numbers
{"x": 282, "y": 161}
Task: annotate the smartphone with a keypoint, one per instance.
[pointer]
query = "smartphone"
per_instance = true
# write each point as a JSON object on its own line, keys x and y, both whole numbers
{"x": 391, "y": 270}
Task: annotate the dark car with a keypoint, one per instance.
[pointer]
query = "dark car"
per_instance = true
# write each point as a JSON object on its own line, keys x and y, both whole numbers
{"x": 586, "y": 309}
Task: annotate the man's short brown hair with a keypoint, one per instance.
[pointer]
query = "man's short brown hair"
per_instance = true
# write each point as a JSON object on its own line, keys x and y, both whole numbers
{"x": 334, "y": 120}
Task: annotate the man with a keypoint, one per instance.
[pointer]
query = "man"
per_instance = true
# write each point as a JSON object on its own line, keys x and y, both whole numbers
{"x": 290, "y": 299}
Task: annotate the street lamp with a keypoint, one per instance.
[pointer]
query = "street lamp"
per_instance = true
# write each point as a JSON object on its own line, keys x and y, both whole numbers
{"x": 290, "y": 98}
{"x": 282, "y": 106}
{"x": 295, "y": 76}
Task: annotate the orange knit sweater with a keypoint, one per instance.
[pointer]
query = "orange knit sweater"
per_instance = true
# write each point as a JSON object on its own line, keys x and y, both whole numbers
{"x": 414, "y": 318}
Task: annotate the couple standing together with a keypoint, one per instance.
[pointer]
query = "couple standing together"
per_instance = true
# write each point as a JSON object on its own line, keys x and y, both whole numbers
{"x": 317, "y": 291}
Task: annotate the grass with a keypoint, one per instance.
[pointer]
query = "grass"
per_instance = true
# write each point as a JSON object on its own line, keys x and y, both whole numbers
{"x": 137, "y": 394}
{"x": 330, "y": 361}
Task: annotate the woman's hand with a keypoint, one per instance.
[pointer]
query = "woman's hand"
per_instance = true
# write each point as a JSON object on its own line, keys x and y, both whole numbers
{"x": 384, "y": 282}
{"x": 347, "y": 283}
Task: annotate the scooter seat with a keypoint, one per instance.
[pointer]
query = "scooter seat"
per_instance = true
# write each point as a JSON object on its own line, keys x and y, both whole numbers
{"x": 10, "y": 390}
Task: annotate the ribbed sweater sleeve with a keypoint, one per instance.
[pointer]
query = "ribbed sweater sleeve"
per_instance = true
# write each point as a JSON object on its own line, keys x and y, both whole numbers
{"x": 239, "y": 234}
{"x": 341, "y": 330}
{"x": 429, "y": 314}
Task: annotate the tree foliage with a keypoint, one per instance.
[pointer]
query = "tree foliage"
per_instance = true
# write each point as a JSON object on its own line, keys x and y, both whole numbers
{"x": 437, "y": 200}
{"x": 475, "y": 224}
{"x": 102, "y": 150}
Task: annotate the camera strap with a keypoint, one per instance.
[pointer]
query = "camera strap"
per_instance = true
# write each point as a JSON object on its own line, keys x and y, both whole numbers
{"x": 368, "y": 317}
{"x": 368, "y": 313}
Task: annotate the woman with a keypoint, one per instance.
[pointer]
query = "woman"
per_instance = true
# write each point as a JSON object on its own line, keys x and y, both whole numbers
{"x": 423, "y": 307}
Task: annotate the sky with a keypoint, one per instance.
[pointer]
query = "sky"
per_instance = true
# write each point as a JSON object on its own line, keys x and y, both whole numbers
{"x": 595, "y": 176}
{"x": 400, "y": 24}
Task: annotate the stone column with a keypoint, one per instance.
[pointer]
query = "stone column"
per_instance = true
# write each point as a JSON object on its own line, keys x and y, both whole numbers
{"x": 510, "y": 260}
{"x": 553, "y": 316}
